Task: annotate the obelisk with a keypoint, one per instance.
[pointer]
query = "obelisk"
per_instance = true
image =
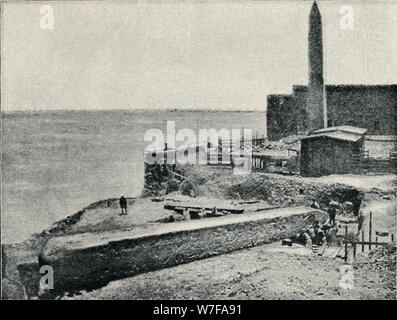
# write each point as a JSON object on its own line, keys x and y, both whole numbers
{"x": 316, "y": 99}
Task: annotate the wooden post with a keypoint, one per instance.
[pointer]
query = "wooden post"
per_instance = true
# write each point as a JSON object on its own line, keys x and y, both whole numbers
{"x": 220, "y": 149}
{"x": 370, "y": 230}
{"x": 376, "y": 242}
{"x": 252, "y": 157}
{"x": 208, "y": 152}
{"x": 165, "y": 152}
{"x": 392, "y": 237}
{"x": 345, "y": 244}
{"x": 354, "y": 249}
{"x": 362, "y": 239}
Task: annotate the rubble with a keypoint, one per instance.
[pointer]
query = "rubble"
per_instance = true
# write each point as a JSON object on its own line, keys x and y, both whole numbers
{"x": 290, "y": 142}
{"x": 383, "y": 258}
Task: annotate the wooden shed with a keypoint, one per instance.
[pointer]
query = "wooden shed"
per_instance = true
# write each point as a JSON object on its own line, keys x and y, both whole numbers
{"x": 330, "y": 150}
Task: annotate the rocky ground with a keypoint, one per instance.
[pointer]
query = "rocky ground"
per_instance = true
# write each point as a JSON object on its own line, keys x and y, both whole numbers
{"x": 276, "y": 190}
{"x": 264, "y": 272}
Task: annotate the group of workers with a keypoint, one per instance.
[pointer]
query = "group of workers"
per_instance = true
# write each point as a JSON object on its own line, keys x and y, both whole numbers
{"x": 317, "y": 234}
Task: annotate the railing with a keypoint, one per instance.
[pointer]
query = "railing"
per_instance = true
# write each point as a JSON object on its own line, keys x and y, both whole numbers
{"x": 369, "y": 243}
{"x": 362, "y": 163}
{"x": 226, "y": 151}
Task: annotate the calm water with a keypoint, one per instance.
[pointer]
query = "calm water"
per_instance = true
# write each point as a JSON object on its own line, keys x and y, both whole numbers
{"x": 55, "y": 163}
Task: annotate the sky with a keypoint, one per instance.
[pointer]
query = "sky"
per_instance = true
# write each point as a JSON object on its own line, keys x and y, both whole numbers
{"x": 218, "y": 55}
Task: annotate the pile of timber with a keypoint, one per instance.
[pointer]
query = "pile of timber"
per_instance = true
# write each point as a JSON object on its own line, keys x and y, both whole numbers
{"x": 180, "y": 208}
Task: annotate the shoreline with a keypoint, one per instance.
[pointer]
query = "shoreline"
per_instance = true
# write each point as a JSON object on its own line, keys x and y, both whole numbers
{"x": 137, "y": 110}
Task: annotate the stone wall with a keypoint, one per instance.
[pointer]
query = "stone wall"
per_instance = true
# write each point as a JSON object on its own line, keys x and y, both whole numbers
{"x": 92, "y": 262}
{"x": 373, "y": 107}
{"x": 285, "y": 115}
{"x": 370, "y": 107}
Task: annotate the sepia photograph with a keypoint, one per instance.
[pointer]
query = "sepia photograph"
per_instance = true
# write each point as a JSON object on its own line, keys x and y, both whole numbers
{"x": 198, "y": 150}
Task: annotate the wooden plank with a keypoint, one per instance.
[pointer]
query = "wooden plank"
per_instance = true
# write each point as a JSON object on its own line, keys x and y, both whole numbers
{"x": 322, "y": 250}
{"x": 340, "y": 253}
{"x": 330, "y": 252}
{"x": 182, "y": 207}
{"x": 336, "y": 252}
{"x": 365, "y": 242}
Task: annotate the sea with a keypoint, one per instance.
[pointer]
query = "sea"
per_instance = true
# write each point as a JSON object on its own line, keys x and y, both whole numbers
{"x": 55, "y": 163}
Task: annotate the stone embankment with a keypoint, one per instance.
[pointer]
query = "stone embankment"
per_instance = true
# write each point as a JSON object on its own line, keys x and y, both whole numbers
{"x": 91, "y": 260}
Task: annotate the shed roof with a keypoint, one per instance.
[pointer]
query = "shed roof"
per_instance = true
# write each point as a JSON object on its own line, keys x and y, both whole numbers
{"x": 345, "y": 133}
{"x": 347, "y": 129}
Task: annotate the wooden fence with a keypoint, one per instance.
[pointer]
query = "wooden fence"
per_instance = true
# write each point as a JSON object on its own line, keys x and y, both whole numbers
{"x": 223, "y": 153}
{"x": 362, "y": 163}
{"x": 350, "y": 246}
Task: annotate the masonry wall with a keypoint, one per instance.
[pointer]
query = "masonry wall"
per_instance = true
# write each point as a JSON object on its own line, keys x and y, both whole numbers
{"x": 284, "y": 116}
{"x": 373, "y": 107}
{"x": 370, "y": 107}
{"x": 95, "y": 266}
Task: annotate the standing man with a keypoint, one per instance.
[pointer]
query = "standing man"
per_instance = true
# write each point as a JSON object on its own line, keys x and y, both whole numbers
{"x": 123, "y": 205}
{"x": 332, "y": 212}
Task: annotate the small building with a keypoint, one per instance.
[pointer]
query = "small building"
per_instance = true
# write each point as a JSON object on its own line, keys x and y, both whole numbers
{"x": 331, "y": 151}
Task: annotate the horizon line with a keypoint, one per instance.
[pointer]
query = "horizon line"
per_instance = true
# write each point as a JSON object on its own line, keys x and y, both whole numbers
{"x": 136, "y": 109}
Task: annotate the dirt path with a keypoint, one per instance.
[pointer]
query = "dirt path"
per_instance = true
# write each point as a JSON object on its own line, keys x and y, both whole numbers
{"x": 383, "y": 215}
